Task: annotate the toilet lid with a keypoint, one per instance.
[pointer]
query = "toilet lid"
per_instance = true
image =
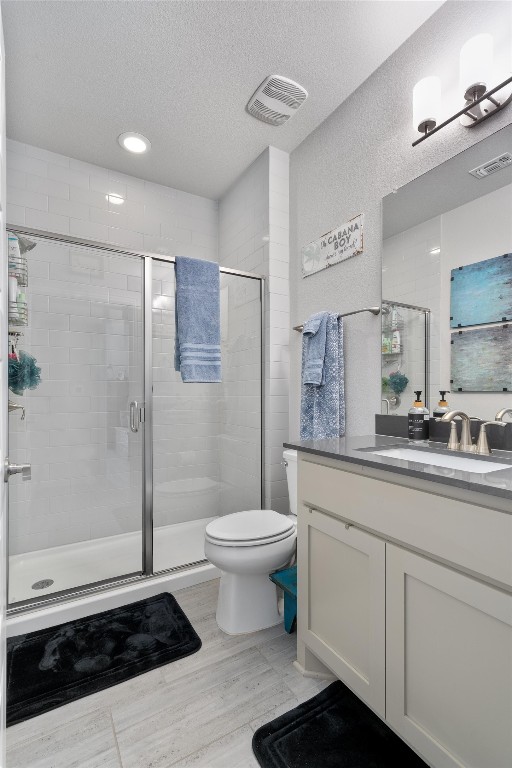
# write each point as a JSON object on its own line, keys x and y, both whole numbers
{"x": 253, "y": 525}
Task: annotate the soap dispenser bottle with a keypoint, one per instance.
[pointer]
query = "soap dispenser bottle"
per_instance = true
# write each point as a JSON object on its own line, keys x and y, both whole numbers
{"x": 442, "y": 407}
{"x": 418, "y": 420}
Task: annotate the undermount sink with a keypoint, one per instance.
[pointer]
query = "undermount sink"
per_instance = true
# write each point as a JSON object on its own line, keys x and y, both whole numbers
{"x": 465, "y": 463}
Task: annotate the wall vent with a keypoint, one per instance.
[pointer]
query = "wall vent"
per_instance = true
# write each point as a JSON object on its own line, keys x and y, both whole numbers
{"x": 276, "y": 100}
{"x": 492, "y": 166}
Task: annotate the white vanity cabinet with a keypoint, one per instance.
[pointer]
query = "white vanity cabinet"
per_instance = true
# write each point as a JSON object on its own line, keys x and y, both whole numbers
{"x": 423, "y": 635}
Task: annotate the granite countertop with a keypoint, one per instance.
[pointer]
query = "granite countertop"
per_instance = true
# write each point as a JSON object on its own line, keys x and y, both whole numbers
{"x": 358, "y": 450}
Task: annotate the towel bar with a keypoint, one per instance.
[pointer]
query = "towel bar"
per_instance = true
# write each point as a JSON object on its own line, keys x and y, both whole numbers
{"x": 373, "y": 310}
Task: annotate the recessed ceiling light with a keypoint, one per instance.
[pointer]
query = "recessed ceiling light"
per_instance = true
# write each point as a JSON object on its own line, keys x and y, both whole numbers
{"x": 435, "y": 251}
{"x": 134, "y": 142}
{"x": 115, "y": 199}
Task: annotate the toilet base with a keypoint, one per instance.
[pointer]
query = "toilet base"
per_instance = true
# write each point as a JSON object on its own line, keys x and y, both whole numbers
{"x": 247, "y": 603}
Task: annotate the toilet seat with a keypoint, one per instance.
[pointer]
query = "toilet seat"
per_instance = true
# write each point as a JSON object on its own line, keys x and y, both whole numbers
{"x": 251, "y": 528}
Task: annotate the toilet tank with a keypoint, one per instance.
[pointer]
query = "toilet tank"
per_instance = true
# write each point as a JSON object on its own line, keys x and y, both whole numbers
{"x": 290, "y": 462}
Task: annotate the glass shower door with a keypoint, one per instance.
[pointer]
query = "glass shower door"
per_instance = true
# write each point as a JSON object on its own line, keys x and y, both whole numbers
{"x": 78, "y": 521}
{"x": 206, "y": 437}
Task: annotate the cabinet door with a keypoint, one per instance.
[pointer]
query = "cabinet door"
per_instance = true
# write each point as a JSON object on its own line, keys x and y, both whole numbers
{"x": 342, "y": 601}
{"x": 449, "y": 663}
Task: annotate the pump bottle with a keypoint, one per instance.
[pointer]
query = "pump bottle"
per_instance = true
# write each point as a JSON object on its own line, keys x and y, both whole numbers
{"x": 418, "y": 421}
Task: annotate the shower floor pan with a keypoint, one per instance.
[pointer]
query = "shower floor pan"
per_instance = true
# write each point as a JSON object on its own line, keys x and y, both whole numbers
{"x": 74, "y": 565}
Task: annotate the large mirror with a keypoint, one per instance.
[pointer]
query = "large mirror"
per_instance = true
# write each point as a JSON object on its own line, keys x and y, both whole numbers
{"x": 447, "y": 284}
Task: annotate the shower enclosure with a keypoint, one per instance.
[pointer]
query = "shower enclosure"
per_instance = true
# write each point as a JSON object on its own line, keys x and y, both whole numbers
{"x": 128, "y": 463}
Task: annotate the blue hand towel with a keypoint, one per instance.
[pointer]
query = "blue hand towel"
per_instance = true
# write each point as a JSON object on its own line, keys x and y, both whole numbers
{"x": 197, "y": 311}
{"x": 322, "y": 412}
{"x": 314, "y": 333}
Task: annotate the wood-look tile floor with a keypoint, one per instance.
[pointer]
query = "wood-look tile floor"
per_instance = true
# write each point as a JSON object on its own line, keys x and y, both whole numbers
{"x": 198, "y": 712}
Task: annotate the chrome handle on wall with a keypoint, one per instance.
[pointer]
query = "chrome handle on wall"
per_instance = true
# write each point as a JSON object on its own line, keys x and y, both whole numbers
{"x": 25, "y": 470}
{"x": 134, "y": 416}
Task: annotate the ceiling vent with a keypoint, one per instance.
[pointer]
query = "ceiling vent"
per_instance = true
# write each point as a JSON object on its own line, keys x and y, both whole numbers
{"x": 492, "y": 166}
{"x": 276, "y": 100}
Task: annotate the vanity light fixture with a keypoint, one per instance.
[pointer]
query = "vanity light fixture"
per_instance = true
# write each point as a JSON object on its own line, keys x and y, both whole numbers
{"x": 134, "y": 142}
{"x": 482, "y": 92}
{"x": 435, "y": 251}
{"x": 114, "y": 199}
{"x": 426, "y": 104}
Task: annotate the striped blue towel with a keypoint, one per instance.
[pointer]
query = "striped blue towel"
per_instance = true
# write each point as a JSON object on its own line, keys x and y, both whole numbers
{"x": 314, "y": 334}
{"x": 197, "y": 311}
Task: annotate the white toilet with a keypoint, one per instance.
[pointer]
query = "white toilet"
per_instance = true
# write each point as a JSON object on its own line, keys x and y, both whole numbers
{"x": 246, "y": 547}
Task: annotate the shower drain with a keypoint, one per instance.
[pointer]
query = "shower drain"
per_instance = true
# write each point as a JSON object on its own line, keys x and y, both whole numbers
{"x": 42, "y": 584}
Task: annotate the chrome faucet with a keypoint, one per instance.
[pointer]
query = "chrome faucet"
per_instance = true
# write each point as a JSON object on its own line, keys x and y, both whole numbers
{"x": 501, "y": 414}
{"x": 466, "y": 443}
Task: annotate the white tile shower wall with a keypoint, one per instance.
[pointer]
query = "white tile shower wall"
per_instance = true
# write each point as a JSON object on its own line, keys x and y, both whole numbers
{"x": 254, "y": 236}
{"x": 60, "y": 194}
{"x": 71, "y": 305}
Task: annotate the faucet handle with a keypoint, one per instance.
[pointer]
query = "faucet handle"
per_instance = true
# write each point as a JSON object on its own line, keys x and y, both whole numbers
{"x": 482, "y": 446}
{"x": 453, "y": 441}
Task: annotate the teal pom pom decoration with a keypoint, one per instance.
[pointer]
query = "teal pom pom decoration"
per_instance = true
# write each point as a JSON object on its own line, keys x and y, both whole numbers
{"x": 398, "y": 382}
{"x": 24, "y": 373}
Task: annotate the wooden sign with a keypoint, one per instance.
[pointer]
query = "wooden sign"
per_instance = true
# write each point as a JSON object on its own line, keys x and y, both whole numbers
{"x": 338, "y": 245}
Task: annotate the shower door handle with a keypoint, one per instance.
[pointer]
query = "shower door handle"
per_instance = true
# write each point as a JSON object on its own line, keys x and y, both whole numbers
{"x": 25, "y": 470}
{"x": 135, "y": 416}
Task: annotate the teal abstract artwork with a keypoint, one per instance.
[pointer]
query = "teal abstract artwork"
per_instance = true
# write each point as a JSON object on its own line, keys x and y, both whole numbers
{"x": 482, "y": 292}
{"x": 481, "y": 359}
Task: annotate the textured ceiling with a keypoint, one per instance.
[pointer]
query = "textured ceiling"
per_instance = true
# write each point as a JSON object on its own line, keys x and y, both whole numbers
{"x": 80, "y": 73}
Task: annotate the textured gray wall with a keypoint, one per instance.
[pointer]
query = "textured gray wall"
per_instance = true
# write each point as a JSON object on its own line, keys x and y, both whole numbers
{"x": 355, "y": 158}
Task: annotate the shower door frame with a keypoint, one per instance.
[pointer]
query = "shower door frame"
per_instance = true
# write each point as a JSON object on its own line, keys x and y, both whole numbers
{"x": 147, "y": 571}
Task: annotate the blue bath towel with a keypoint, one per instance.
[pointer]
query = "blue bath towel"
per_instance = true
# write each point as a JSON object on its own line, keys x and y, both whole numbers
{"x": 197, "y": 310}
{"x": 322, "y": 411}
{"x": 314, "y": 334}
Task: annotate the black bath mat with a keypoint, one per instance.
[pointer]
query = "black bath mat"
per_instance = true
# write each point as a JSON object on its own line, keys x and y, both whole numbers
{"x": 332, "y": 730}
{"x": 52, "y": 667}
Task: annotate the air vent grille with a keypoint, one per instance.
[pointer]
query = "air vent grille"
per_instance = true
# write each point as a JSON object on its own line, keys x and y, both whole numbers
{"x": 492, "y": 166}
{"x": 276, "y": 100}
{"x": 266, "y": 114}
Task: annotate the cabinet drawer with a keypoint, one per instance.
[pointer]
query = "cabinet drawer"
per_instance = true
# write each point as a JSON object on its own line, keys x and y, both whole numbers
{"x": 473, "y": 537}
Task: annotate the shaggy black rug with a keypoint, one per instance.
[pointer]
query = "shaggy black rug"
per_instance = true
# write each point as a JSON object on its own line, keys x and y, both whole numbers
{"x": 332, "y": 730}
{"x": 52, "y": 667}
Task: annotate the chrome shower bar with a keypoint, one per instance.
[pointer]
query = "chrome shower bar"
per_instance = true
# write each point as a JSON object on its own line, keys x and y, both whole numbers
{"x": 373, "y": 310}
{"x": 101, "y": 246}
